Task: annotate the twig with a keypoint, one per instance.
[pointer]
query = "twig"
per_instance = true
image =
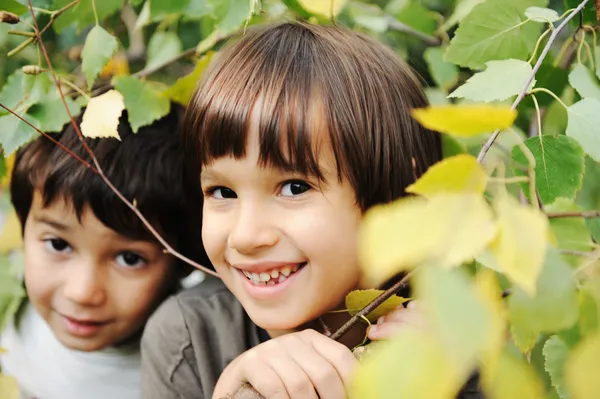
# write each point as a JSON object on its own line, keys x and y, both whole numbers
{"x": 151, "y": 70}
{"x": 54, "y": 15}
{"x": 537, "y": 66}
{"x": 581, "y": 214}
{"x": 97, "y": 164}
{"x": 371, "y": 306}
{"x": 400, "y": 27}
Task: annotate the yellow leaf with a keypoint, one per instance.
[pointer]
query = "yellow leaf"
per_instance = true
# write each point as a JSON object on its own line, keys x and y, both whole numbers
{"x": 101, "y": 117}
{"x": 512, "y": 378}
{"x": 8, "y": 387}
{"x": 10, "y": 163}
{"x": 10, "y": 235}
{"x": 581, "y": 369}
{"x": 465, "y": 120}
{"x": 411, "y": 365}
{"x": 116, "y": 66}
{"x": 2, "y": 351}
{"x": 461, "y": 173}
{"x": 327, "y": 8}
{"x": 447, "y": 230}
{"x": 357, "y": 300}
{"x": 520, "y": 247}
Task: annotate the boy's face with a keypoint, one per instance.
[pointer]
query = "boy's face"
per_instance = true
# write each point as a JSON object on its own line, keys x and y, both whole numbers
{"x": 284, "y": 244}
{"x": 94, "y": 287}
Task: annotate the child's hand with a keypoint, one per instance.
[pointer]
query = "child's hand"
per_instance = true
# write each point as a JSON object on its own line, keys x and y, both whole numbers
{"x": 393, "y": 322}
{"x": 301, "y": 365}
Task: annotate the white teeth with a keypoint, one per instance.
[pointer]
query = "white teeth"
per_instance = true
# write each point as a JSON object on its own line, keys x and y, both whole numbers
{"x": 271, "y": 282}
{"x": 255, "y": 277}
{"x": 247, "y": 274}
{"x": 274, "y": 273}
{"x": 286, "y": 271}
{"x": 265, "y": 277}
{"x": 281, "y": 279}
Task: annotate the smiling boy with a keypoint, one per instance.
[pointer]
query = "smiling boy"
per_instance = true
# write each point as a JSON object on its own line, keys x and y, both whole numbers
{"x": 93, "y": 272}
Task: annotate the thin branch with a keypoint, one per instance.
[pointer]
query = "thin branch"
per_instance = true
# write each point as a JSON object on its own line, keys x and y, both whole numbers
{"x": 372, "y": 306}
{"x": 55, "y": 15}
{"x": 99, "y": 169}
{"x": 157, "y": 67}
{"x": 400, "y": 27}
{"x": 486, "y": 147}
{"x": 581, "y": 214}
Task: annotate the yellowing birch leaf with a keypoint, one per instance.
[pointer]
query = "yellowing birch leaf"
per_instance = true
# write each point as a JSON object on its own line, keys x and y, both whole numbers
{"x": 357, "y": 300}
{"x": 9, "y": 163}
{"x": 513, "y": 378}
{"x": 520, "y": 247}
{"x": 447, "y": 230}
{"x": 327, "y": 8}
{"x": 10, "y": 234}
{"x": 424, "y": 372}
{"x": 101, "y": 117}
{"x": 581, "y": 369}
{"x": 465, "y": 120}
{"x": 461, "y": 173}
{"x": 8, "y": 387}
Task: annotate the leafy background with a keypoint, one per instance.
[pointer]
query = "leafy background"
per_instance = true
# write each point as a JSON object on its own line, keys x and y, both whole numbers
{"x": 488, "y": 227}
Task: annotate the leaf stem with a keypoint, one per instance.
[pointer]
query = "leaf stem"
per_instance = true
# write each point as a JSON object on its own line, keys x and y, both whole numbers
{"x": 401, "y": 27}
{"x": 509, "y": 180}
{"x": 550, "y": 93}
{"x": 74, "y": 87}
{"x": 21, "y": 47}
{"x": 488, "y": 144}
{"x": 21, "y": 33}
{"x": 95, "y": 12}
{"x": 574, "y": 214}
{"x": 537, "y": 45}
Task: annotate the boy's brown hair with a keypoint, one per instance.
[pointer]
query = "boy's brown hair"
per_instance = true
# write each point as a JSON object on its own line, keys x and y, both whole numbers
{"x": 146, "y": 167}
{"x": 296, "y": 72}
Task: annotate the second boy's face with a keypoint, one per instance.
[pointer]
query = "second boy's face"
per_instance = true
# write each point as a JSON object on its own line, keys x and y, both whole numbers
{"x": 94, "y": 287}
{"x": 283, "y": 243}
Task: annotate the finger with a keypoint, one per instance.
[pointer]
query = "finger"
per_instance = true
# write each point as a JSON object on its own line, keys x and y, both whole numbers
{"x": 297, "y": 383}
{"x": 338, "y": 355}
{"x": 263, "y": 379}
{"x": 323, "y": 375}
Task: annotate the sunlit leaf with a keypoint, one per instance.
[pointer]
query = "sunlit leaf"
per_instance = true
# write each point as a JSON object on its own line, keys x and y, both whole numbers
{"x": 492, "y": 32}
{"x": 585, "y": 82}
{"x": 584, "y": 125}
{"x": 182, "y": 89}
{"x": 162, "y": 47}
{"x": 9, "y": 162}
{"x": 382, "y": 376}
{"x": 521, "y": 243}
{"x": 461, "y": 173}
{"x": 144, "y": 102}
{"x": 16, "y": 133}
{"x": 101, "y": 117}
{"x": 369, "y": 16}
{"x": 523, "y": 339}
{"x": 446, "y": 230}
{"x": 556, "y": 353}
{"x": 541, "y": 14}
{"x": 465, "y": 120}
{"x": 513, "y": 378}
{"x": 230, "y": 14}
{"x": 9, "y": 389}
{"x": 559, "y": 166}
{"x": 98, "y": 49}
{"x": 357, "y": 300}
{"x": 500, "y": 80}
{"x": 443, "y": 73}
{"x": 10, "y": 234}
{"x": 581, "y": 370}
{"x": 554, "y": 306}
{"x": 488, "y": 292}
{"x": 327, "y": 8}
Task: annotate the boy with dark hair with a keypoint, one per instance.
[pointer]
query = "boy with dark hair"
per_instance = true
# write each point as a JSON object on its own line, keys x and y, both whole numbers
{"x": 93, "y": 272}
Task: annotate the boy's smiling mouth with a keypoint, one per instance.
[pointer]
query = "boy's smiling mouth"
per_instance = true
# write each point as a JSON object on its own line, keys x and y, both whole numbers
{"x": 268, "y": 274}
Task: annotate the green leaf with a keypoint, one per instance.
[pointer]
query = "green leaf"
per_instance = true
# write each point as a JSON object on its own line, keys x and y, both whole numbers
{"x": 52, "y": 115}
{"x": 417, "y": 16}
{"x": 143, "y": 102}
{"x": 162, "y": 47}
{"x": 461, "y": 10}
{"x": 98, "y": 49}
{"x": 571, "y": 233}
{"x": 589, "y": 196}
{"x": 556, "y": 353}
{"x": 16, "y": 133}
{"x": 230, "y": 14}
{"x": 12, "y": 6}
{"x": 181, "y": 91}
{"x": 161, "y": 8}
{"x": 554, "y": 306}
{"x": 12, "y": 91}
{"x": 197, "y": 9}
{"x": 369, "y": 16}
{"x": 443, "y": 73}
{"x": 541, "y": 14}
{"x": 2, "y": 166}
{"x": 597, "y": 61}
{"x": 584, "y": 125}
{"x": 559, "y": 166}
{"x": 492, "y": 32}
{"x": 82, "y": 15}
{"x": 499, "y": 81}
{"x": 523, "y": 339}
{"x": 585, "y": 82}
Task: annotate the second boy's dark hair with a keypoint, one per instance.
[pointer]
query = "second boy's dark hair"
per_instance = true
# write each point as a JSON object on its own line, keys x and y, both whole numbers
{"x": 146, "y": 167}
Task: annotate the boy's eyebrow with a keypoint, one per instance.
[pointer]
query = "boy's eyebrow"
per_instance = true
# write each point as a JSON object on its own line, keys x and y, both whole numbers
{"x": 51, "y": 222}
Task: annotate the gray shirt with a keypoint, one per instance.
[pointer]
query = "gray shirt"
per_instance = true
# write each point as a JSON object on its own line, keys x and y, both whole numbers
{"x": 190, "y": 340}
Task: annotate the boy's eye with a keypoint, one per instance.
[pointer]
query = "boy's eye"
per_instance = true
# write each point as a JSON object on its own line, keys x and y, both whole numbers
{"x": 130, "y": 259}
{"x": 57, "y": 245}
{"x": 222, "y": 193}
{"x": 294, "y": 187}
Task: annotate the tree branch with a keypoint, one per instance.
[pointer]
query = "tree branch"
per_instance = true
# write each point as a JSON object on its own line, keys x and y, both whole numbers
{"x": 401, "y": 27}
{"x": 537, "y": 66}
{"x": 581, "y": 214}
{"x": 99, "y": 169}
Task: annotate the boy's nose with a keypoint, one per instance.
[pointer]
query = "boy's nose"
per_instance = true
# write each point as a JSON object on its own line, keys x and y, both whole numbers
{"x": 252, "y": 231}
{"x": 84, "y": 286}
